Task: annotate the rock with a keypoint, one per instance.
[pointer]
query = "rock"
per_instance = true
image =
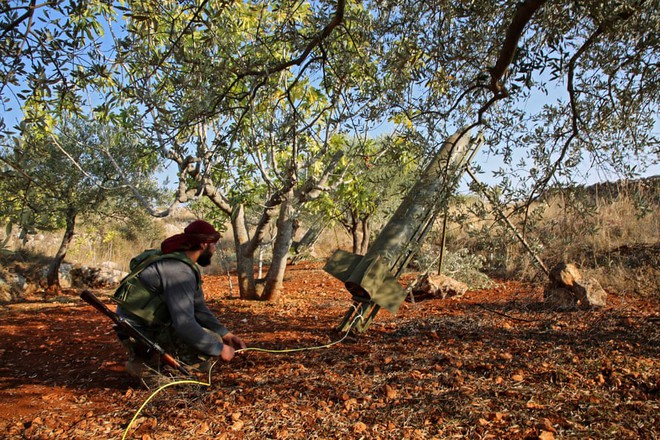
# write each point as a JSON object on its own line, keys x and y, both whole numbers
{"x": 559, "y": 297}
{"x": 13, "y": 285}
{"x": 84, "y": 276}
{"x": 564, "y": 275}
{"x": 568, "y": 289}
{"x": 5, "y": 291}
{"x": 440, "y": 286}
{"x": 94, "y": 277}
{"x": 17, "y": 282}
{"x": 109, "y": 265}
{"x": 590, "y": 293}
{"x": 64, "y": 275}
{"x": 113, "y": 277}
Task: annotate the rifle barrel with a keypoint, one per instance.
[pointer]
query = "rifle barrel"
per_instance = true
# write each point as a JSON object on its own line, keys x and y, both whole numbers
{"x": 92, "y": 300}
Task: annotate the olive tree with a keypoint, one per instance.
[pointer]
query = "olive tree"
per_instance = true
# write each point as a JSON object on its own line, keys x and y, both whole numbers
{"x": 50, "y": 181}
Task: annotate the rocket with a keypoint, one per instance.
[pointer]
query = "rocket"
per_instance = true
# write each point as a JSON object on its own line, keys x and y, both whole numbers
{"x": 372, "y": 279}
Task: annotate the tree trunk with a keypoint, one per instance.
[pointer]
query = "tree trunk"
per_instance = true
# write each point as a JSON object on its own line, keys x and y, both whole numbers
{"x": 244, "y": 255}
{"x": 352, "y": 229}
{"x": 355, "y": 238}
{"x": 359, "y": 230}
{"x": 364, "y": 243}
{"x": 283, "y": 240}
{"x": 53, "y": 275}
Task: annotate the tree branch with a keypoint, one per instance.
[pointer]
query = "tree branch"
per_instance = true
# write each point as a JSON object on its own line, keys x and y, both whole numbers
{"x": 521, "y": 17}
{"x": 575, "y": 116}
{"x": 27, "y": 15}
{"x": 325, "y": 32}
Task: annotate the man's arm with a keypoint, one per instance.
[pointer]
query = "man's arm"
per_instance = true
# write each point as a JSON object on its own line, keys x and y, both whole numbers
{"x": 179, "y": 288}
{"x": 206, "y": 318}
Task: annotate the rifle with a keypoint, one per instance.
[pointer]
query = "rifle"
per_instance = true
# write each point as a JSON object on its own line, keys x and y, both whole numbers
{"x": 130, "y": 330}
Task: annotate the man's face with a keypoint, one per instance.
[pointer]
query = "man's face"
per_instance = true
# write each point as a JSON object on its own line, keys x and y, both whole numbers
{"x": 205, "y": 258}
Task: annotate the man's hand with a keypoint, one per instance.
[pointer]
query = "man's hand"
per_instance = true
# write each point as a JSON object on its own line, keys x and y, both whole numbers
{"x": 227, "y": 353}
{"x": 233, "y": 341}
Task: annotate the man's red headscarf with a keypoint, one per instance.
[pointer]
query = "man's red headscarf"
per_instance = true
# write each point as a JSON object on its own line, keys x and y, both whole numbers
{"x": 194, "y": 234}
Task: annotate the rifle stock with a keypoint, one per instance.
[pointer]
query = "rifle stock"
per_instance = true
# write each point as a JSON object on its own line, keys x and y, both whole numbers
{"x": 130, "y": 330}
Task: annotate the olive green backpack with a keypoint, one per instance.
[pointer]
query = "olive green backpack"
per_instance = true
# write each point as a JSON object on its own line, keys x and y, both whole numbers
{"x": 135, "y": 299}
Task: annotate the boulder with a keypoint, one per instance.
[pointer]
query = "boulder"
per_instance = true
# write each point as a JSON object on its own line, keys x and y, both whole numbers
{"x": 559, "y": 297}
{"x": 440, "y": 286}
{"x": 5, "y": 291}
{"x": 564, "y": 275}
{"x": 590, "y": 293}
{"x": 110, "y": 266}
{"x": 95, "y": 277}
{"x": 567, "y": 289}
{"x": 18, "y": 282}
{"x": 14, "y": 285}
{"x": 64, "y": 275}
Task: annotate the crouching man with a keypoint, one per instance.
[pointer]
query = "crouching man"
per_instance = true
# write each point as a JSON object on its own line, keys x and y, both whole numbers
{"x": 163, "y": 298}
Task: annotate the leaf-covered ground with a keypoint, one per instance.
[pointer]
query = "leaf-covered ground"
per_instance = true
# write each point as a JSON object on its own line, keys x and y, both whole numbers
{"x": 495, "y": 363}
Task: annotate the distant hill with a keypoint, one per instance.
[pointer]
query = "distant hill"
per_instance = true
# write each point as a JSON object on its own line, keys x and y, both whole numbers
{"x": 647, "y": 188}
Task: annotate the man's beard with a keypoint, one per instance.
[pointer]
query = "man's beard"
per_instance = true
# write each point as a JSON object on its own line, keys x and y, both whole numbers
{"x": 205, "y": 258}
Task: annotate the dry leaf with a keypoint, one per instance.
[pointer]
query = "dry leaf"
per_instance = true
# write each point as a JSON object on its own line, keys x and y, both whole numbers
{"x": 350, "y": 404}
{"x": 547, "y": 426}
{"x": 546, "y": 435}
{"x": 203, "y": 428}
{"x": 498, "y": 416}
{"x": 359, "y": 427}
{"x": 534, "y": 405}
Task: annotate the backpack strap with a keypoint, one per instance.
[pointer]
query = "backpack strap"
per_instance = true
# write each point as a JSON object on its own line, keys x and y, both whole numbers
{"x": 135, "y": 299}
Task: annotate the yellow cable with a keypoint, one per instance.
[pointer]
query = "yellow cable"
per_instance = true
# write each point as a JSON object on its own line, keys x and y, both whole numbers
{"x": 291, "y": 350}
{"x": 178, "y": 382}
{"x": 240, "y": 350}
